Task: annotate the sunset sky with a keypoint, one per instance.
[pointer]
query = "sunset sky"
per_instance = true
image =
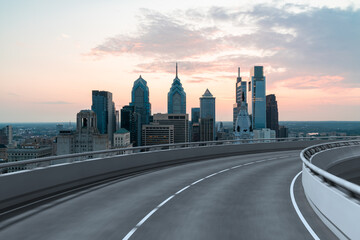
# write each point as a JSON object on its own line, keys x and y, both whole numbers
{"x": 54, "y": 53}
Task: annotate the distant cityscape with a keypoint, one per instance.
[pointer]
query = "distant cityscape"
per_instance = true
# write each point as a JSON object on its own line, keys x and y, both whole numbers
{"x": 255, "y": 116}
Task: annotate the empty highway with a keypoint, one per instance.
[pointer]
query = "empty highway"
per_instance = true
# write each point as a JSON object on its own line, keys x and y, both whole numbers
{"x": 239, "y": 197}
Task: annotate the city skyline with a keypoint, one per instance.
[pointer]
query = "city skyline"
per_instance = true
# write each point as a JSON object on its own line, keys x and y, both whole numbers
{"x": 51, "y": 62}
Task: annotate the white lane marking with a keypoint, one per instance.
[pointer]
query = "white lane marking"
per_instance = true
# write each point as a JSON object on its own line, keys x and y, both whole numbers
{"x": 130, "y": 234}
{"x": 201, "y": 179}
{"x": 225, "y": 170}
{"x": 303, "y": 220}
{"x": 165, "y": 201}
{"x": 211, "y": 175}
{"x": 146, "y": 217}
{"x": 183, "y": 189}
{"x": 236, "y": 166}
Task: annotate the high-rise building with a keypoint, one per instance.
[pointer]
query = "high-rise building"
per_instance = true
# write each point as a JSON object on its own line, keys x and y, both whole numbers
{"x": 240, "y": 89}
{"x": 156, "y": 134}
{"x": 243, "y": 129}
{"x": 272, "y": 114}
{"x": 207, "y": 117}
{"x": 87, "y": 137}
{"x": 180, "y": 123}
{"x": 117, "y": 117}
{"x": 194, "y": 126}
{"x": 140, "y": 100}
{"x": 195, "y": 132}
{"x": 6, "y": 135}
{"x": 104, "y": 108}
{"x": 256, "y": 98}
{"x": 131, "y": 121}
{"x": 195, "y": 115}
{"x": 176, "y": 97}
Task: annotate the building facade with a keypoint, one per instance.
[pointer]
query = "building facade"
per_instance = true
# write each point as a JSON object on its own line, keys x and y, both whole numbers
{"x": 104, "y": 108}
{"x": 87, "y": 137}
{"x": 256, "y": 98}
{"x": 240, "y": 90}
{"x": 264, "y": 133}
{"x": 243, "y": 129}
{"x": 122, "y": 138}
{"x": 131, "y": 121}
{"x": 176, "y": 97}
{"x": 283, "y": 132}
{"x": 195, "y": 126}
{"x": 180, "y": 123}
{"x": 272, "y": 114}
{"x": 207, "y": 117}
{"x": 140, "y": 100}
{"x": 26, "y": 153}
{"x": 6, "y": 135}
{"x": 156, "y": 134}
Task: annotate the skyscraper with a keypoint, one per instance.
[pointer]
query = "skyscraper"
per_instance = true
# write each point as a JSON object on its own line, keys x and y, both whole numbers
{"x": 104, "y": 108}
{"x": 131, "y": 121}
{"x": 207, "y": 117}
{"x": 256, "y": 98}
{"x": 176, "y": 96}
{"x": 240, "y": 88}
{"x": 195, "y": 115}
{"x": 195, "y": 127}
{"x": 140, "y": 100}
{"x": 243, "y": 128}
{"x": 272, "y": 114}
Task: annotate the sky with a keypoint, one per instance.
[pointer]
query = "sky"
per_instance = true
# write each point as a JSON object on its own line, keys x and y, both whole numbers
{"x": 54, "y": 53}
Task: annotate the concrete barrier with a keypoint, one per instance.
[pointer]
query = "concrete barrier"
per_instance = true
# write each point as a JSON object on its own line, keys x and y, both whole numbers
{"x": 338, "y": 207}
{"x": 21, "y": 187}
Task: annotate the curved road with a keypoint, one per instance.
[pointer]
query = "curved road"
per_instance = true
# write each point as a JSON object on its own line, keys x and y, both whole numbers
{"x": 240, "y": 197}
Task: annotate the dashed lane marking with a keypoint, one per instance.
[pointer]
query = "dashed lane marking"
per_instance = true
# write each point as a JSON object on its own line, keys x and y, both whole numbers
{"x": 184, "y": 188}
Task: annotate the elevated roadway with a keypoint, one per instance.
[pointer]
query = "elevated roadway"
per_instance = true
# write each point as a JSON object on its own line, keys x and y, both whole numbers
{"x": 237, "y": 197}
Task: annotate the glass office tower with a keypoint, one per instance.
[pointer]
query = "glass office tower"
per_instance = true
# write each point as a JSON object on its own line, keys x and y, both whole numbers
{"x": 140, "y": 100}
{"x": 240, "y": 89}
{"x": 176, "y": 97}
{"x": 104, "y": 108}
{"x": 257, "y": 98}
{"x": 207, "y": 117}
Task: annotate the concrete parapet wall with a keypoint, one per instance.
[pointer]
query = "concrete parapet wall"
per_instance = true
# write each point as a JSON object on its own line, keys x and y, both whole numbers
{"x": 339, "y": 212}
{"x": 21, "y": 187}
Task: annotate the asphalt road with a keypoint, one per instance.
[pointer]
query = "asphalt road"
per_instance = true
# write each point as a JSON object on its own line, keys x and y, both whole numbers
{"x": 240, "y": 197}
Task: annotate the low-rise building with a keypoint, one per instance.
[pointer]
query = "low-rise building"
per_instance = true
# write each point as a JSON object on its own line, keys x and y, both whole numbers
{"x": 86, "y": 138}
{"x": 122, "y": 138}
{"x": 156, "y": 134}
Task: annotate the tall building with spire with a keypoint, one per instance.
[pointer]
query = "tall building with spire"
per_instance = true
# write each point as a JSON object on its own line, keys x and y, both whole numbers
{"x": 176, "y": 97}
{"x": 256, "y": 98}
{"x": 138, "y": 112}
{"x": 240, "y": 90}
{"x": 140, "y": 100}
{"x": 207, "y": 117}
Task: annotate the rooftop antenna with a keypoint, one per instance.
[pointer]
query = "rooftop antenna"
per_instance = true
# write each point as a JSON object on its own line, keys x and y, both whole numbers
{"x": 238, "y": 71}
{"x": 176, "y": 70}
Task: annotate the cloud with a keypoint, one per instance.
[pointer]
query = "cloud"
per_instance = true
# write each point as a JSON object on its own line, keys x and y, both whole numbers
{"x": 13, "y": 94}
{"x": 289, "y": 40}
{"x": 66, "y": 36}
{"x": 312, "y": 82}
{"x": 54, "y": 102}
